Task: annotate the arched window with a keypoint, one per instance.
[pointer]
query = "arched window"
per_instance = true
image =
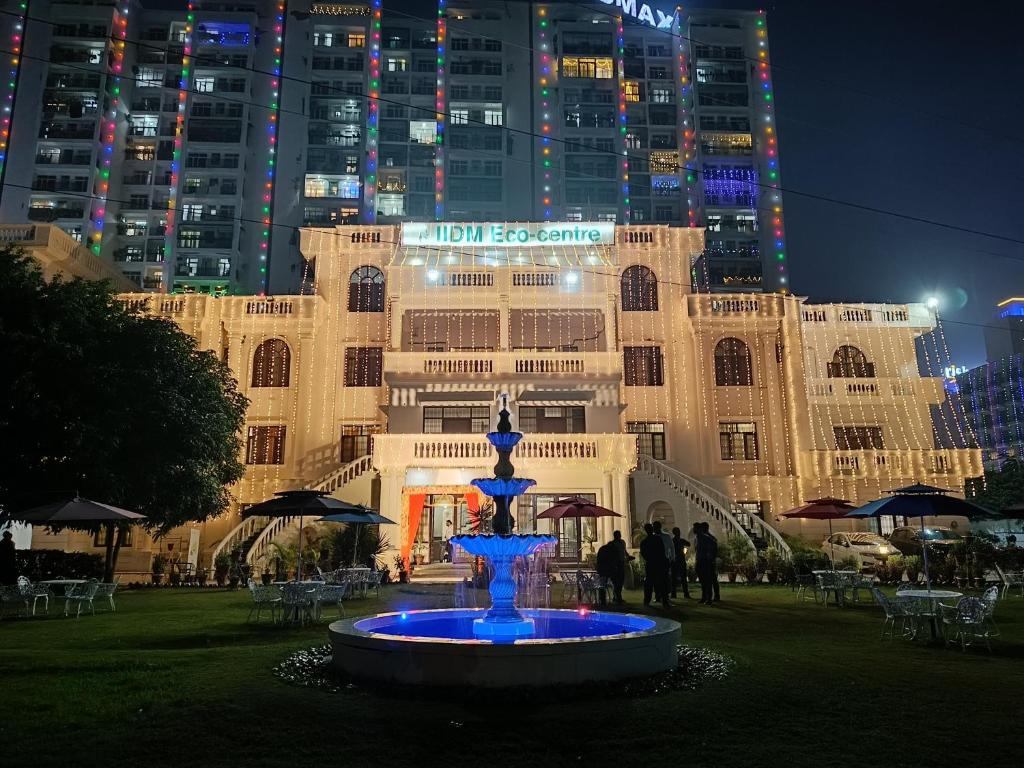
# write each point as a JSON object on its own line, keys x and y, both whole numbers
{"x": 639, "y": 289}
{"x": 366, "y": 290}
{"x": 732, "y": 364}
{"x": 848, "y": 362}
{"x": 271, "y": 364}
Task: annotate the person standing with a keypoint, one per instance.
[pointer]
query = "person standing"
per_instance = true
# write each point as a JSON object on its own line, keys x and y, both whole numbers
{"x": 8, "y": 564}
{"x": 679, "y": 574}
{"x": 713, "y": 564}
{"x": 707, "y": 552}
{"x": 609, "y": 568}
{"x": 652, "y": 550}
{"x": 624, "y": 558}
{"x": 670, "y": 557}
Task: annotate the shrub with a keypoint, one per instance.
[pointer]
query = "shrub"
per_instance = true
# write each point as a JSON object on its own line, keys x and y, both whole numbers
{"x": 913, "y": 565}
{"x": 39, "y": 564}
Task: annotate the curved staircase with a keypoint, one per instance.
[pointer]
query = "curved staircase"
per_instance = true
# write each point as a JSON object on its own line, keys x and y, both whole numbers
{"x": 704, "y": 501}
{"x": 255, "y": 534}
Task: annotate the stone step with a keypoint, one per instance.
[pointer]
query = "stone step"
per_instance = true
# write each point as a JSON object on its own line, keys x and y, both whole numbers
{"x": 440, "y": 573}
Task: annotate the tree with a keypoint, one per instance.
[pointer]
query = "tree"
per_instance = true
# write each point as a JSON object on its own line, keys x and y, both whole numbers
{"x": 116, "y": 406}
{"x": 1000, "y": 488}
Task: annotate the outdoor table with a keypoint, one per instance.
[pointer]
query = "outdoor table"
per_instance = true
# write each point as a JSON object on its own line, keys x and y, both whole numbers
{"x": 840, "y": 582}
{"x": 65, "y": 584}
{"x": 933, "y": 597}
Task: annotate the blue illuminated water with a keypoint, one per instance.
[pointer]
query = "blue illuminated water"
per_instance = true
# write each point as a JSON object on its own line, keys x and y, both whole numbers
{"x": 457, "y": 625}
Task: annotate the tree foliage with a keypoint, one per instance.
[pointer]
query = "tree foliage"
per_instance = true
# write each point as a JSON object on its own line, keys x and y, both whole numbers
{"x": 1002, "y": 487}
{"x": 116, "y": 406}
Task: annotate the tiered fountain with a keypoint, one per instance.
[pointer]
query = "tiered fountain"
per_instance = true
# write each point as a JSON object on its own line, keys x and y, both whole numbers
{"x": 503, "y": 645}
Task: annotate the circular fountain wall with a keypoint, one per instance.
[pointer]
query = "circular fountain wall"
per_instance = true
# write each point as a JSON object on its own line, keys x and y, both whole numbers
{"x": 438, "y": 647}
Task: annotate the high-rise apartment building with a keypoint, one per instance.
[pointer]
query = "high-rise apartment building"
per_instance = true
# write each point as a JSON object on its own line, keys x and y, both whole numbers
{"x": 188, "y": 145}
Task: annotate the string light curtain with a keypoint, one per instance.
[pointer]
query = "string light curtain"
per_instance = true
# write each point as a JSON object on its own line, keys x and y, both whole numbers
{"x": 11, "y": 86}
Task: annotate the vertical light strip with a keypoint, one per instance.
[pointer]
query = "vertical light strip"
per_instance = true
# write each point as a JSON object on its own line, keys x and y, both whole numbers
{"x": 544, "y": 81}
{"x": 439, "y": 110}
{"x": 767, "y": 97}
{"x": 268, "y": 185}
{"x": 373, "y": 109}
{"x": 108, "y": 131}
{"x": 620, "y": 67}
{"x": 11, "y": 86}
{"x": 688, "y": 133}
{"x": 176, "y": 157}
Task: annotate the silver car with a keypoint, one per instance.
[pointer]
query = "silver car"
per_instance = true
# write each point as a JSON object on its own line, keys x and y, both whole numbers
{"x": 868, "y": 548}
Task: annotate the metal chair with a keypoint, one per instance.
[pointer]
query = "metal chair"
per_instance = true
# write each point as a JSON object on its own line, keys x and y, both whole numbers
{"x": 79, "y": 595}
{"x": 264, "y": 597}
{"x": 332, "y": 593}
{"x": 806, "y": 586}
{"x": 896, "y": 612}
{"x": 371, "y": 580}
{"x": 903, "y": 585}
{"x": 107, "y": 591}
{"x": 1011, "y": 579}
{"x": 299, "y": 602}
{"x": 965, "y": 622}
{"x": 34, "y": 593}
{"x": 570, "y": 585}
{"x": 989, "y": 598}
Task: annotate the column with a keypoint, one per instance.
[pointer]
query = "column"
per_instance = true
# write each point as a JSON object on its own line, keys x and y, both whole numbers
{"x": 620, "y": 483}
{"x": 607, "y": 524}
{"x": 504, "y": 319}
{"x": 391, "y": 503}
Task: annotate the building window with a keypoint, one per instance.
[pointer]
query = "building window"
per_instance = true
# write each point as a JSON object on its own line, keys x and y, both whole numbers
{"x": 357, "y": 441}
{"x": 458, "y": 116}
{"x": 639, "y": 289}
{"x": 631, "y": 90}
{"x": 493, "y": 116}
{"x": 600, "y": 68}
{"x": 738, "y": 440}
{"x": 363, "y": 366}
{"x": 271, "y": 364}
{"x": 204, "y": 84}
{"x": 642, "y": 366}
{"x": 650, "y": 438}
{"x": 102, "y": 537}
{"x": 569, "y": 419}
{"x": 265, "y": 445}
{"x": 423, "y": 131}
{"x": 455, "y": 419}
{"x": 848, "y": 362}
{"x": 733, "y": 367}
{"x": 366, "y": 290}
{"x": 356, "y": 40}
{"x": 858, "y": 438}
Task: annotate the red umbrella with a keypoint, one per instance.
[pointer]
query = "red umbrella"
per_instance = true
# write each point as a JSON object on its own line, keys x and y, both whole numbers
{"x": 822, "y": 509}
{"x": 576, "y": 506}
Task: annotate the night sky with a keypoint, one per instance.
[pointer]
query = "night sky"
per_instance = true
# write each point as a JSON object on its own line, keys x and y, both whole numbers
{"x": 914, "y": 108}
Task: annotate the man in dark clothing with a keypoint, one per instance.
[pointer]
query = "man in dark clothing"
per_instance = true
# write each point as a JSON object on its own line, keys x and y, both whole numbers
{"x": 679, "y": 574}
{"x": 707, "y": 552}
{"x": 619, "y": 547}
{"x": 652, "y": 550}
{"x": 8, "y": 567}
{"x": 608, "y": 568}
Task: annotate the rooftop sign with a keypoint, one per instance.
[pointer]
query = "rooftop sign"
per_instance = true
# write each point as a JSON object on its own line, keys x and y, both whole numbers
{"x": 642, "y": 12}
{"x": 575, "y": 233}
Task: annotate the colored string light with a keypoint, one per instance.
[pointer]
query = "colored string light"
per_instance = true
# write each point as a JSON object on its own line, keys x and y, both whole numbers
{"x": 179, "y": 132}
{"x": 108, "y": 130}
{"x": 11, "y": 86}
{"x": 442, "y": 35}
{"x": 620, "y": 43}
{"x": 688, "y": 136}
{"x": 272, "y": 126}
{"x": 545, "y": 79}
{"x": 771, "y": 154}
{"x": 370, "y": 182}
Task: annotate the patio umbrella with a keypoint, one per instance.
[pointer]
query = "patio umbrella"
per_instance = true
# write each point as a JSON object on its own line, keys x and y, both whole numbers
{"x": 576, "y": 506}
{"x": 822, "y": 509}
{"x": 359, "y": 516}
{"x": 919, "y": 501}
{"x": 300, "y": 503}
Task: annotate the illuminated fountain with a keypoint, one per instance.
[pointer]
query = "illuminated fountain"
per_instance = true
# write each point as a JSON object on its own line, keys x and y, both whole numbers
{"x": 503, "y": 645}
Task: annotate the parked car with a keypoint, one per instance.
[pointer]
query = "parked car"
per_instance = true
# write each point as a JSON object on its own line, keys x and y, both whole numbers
{"x": 868, "y": 548}
{"x": 907, "y": 539}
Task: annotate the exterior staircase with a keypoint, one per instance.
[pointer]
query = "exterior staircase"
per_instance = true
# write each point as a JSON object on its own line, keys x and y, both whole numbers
{"x": 703, "y": 501}
{"x": 253, "y": 535}
{"x": 441, "y": 573}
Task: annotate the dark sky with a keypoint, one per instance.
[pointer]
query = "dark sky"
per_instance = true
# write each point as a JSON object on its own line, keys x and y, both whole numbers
{"x": 915, "y": 108}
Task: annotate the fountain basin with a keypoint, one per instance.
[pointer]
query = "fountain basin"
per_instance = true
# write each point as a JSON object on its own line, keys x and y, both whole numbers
{"x": 439, "y": 648}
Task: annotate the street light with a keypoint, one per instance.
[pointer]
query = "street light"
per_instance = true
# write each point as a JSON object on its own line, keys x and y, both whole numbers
{"x": 932, "y": 302}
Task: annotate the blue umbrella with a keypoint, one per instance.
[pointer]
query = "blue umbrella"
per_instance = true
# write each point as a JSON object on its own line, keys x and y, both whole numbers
{"x": 920, "y": 501}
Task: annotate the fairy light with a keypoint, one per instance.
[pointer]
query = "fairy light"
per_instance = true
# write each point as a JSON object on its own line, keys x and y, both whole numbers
{"x": 688, "y": 135}
{"x": 108, "y": 130}
{"x": 765, "y": 97}
{"x": 179, "y": 131}
{"x": 11, "y": 86}
{"x": 373, "y": 110}
{"x": 545, "y": 83}
{"x": 620, "y": 69}
{"x": 971, "y": 436}
{"x": 439, "y": 106}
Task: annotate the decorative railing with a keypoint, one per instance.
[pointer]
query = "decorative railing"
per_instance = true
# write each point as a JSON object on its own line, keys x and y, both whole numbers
{"x": 928, "y": 388}
{"x": 904, "y": 466}
{"x": 713, "y": 504}
{"x": 515, "y": 363}
{"x": 238, "y": 536}
{"x": 607, "y": 452}
{"x": 343, "y": 475}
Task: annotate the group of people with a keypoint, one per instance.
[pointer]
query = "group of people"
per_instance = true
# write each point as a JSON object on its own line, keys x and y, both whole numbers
{"x": 665, "y": 567}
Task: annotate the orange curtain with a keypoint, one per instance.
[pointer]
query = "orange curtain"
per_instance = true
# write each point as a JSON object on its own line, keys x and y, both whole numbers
{"x": 416, "y": 501}
{"x": 472, "y": 502}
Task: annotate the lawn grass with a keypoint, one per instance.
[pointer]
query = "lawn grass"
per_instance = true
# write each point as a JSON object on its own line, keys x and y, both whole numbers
{"x": 177, "y": 677}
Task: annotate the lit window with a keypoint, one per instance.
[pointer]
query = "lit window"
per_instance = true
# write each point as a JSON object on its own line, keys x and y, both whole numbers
{"x": 459, "y": 116}
{"x": 423, "y": 131}
{"x": 600, "y": 68}
{"x": 204, "y": 84}
{"x": 346, "y": 186}
{"x": 357, "y": 40}
{"x": 493, "y": 116}
{"x": 632, "y": 91}
{"x": 738, "y": 441}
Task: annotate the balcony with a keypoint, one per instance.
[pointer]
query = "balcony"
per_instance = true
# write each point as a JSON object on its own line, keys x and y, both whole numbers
{"x": 526, "y": 363}
{"x": 943, "y": 467}
{"x": 864, "y": 390}
{"x": 602, "y": 452}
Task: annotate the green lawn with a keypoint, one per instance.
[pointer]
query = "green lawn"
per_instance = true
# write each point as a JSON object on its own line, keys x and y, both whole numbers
{"x": 177, "y": 677}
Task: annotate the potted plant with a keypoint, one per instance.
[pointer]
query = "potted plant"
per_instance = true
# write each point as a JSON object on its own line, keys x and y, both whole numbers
{"x": 420, "y": 554}
{"x": 774, "y": 563}
{"x": 400, "y": 569}
{"x": 159, "y": 564}
{"x": 201, "y": 576}
{"x": 733, "y": 552}
{"x": 749, "y": 568}
{"x": 913, "y": 565}
{"x": 221, "y": 566}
